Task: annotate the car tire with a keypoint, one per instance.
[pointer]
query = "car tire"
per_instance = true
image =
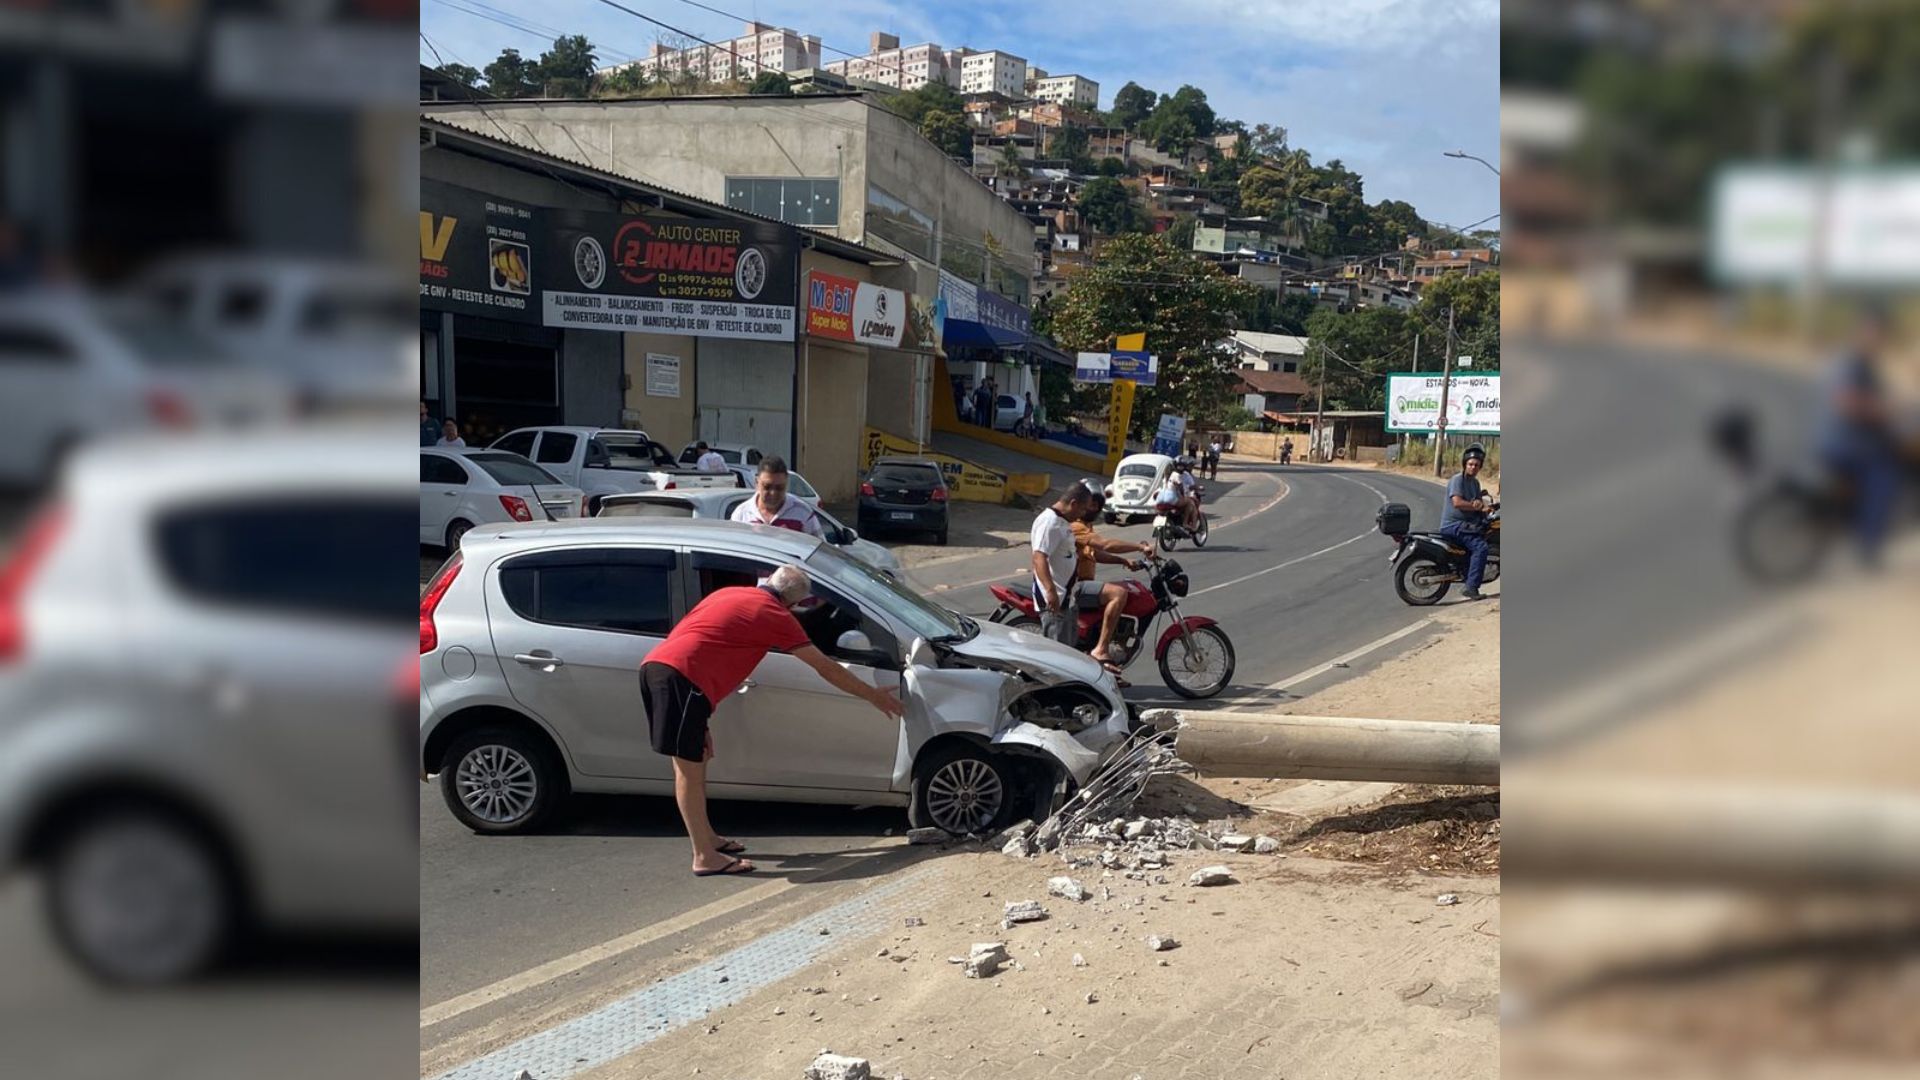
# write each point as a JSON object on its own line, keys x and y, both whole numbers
{"x": 456, "y": 531}
{"x": 139, "y": 895}
{"x": 499, "y": 781}
{"x": 940, "y": 537}
{"x": 961, "y": 788}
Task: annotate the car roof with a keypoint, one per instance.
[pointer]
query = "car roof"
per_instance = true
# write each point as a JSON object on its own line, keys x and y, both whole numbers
{"x": 150, "y": 468}
{"x": 763, "y": 540}
{"x": 576, "y": 430}
{"x": 1146, "y": 458}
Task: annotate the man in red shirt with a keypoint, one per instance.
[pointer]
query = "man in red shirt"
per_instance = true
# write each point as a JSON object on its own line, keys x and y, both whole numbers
{"x": 705, "y": 658}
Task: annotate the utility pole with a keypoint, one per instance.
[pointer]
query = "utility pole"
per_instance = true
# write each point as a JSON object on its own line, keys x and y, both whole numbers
{"x": 1406, "y": 440}
{"x": 1446, "y": 383}
{"x": 1320, "y": 406}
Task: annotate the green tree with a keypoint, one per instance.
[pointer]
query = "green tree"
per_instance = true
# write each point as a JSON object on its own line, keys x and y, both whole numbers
{"x": 915, "y": 105}
{"x": 950, "y": 132}
{"x": 1011, "y": 163}
{"x": 1111, "y": 166}
{"x": 1069, "y": 144}
{"x": 566, "y": 70}
{"x": 771, "y": 84}
{"x": 460, "y": 73}
{"x": 1109, "y": 206}
{"x": 1272, "y": 311}
{"x": 1184, "y": 306}
{"x": 1267, "y": 140}
{"x": 1178, "y": 119}
{"x": 628, "y": 81}
{"x": 512, "y": 75}
{"x": 1393, "y": 221}
{"x": 1475, "y": 301}
{"x": 1265, "y": 191}
{"x": 1356, "y": 350}
{"x": 1131, "y": 105}
{"x": 1180, "y": 234}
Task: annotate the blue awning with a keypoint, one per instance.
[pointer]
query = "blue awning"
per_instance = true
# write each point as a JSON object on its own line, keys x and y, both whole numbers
{"x": 969, "y": 334}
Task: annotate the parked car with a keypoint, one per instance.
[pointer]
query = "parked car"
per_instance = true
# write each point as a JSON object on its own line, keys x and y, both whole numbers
{"x": 463, "y": 488}
{"x": 731, "y": 453}
{"x": 720, "y": 505}
{"x": 797, "y": 485}
{"x": 1135, "y": 479}
{"x": 904, "y": 495}
{"x": 200, "y": 728}
{"x": 1008, "y": 411}
{"x": 344, "y": 333}
{"x": 530, "y": 636}
{"x": 72, "y": 369}
{"x": 606, "y": 461}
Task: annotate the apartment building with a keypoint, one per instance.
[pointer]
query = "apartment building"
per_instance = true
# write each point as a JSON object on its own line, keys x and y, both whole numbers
{"x": 762, "y": 48}
{"x": 890, "y": 65}
{"x": 1067, "y": 90}
{"x": 994, "y": 72}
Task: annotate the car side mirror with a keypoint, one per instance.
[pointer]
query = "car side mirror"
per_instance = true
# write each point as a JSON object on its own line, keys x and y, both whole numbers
{"x": 854, "y": 641}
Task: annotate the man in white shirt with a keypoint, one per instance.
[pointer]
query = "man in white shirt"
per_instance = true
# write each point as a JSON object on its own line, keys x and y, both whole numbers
{"x": 450, "y": 435}
{"x": 1053, "y": 559}
{"x": 1176, "y": 497}
{"x": 709, "y": 460}
{"x": 771, "y": 505}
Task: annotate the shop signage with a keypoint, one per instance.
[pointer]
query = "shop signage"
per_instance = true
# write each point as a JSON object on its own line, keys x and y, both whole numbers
{"x": 661, "y": 275}
{"x": 663, "y": 375}
{"x": 843, "y": 309}
{"x": 476, "y": 254}
{"x": 1473, "y": 403}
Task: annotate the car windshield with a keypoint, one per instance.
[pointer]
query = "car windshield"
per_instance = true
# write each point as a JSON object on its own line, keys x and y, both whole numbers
{"x": 904, "y": 474}
{"x": 922, "y": 617}
{"x": 166, "y": 344}
{"x": 1147, "y": 471}
{"x": 512, "y": 470}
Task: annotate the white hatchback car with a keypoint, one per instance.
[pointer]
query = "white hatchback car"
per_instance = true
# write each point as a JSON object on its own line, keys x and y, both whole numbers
{"x": 532, "y": 637}
{"x": 720, "y": 505}
{"x": 204, "y": 717}
{"x": 731, "y": 453}
{"x": 463, "y": 488}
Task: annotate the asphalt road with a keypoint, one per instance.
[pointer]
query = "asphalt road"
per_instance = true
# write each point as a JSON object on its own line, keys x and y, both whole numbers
{"x": 1294, "y": 572}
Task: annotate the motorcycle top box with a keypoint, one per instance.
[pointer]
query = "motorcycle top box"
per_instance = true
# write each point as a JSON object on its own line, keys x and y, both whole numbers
{"x": 1395, "y": 519}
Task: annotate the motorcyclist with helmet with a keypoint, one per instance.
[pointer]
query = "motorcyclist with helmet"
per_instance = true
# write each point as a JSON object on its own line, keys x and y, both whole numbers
{"x": 1464, "y": 518}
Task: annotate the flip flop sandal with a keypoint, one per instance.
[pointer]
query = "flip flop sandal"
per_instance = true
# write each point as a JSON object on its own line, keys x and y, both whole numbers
{"x": 727, "y": 869}
{"x": 732, "y": 847}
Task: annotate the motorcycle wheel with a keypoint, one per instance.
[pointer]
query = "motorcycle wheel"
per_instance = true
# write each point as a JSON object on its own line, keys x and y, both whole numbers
{"x": 1202, "y": 671}
{"x": 1782, "y": 537}
{"x": 1200, "y": 534}
{"x": 1164, "y": 538}
{"x": 1411, "y": 579}
{"x": 1022, "y": 621}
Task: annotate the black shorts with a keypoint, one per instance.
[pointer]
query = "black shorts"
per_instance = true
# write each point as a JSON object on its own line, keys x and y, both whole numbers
{"x": 677, "y": 712}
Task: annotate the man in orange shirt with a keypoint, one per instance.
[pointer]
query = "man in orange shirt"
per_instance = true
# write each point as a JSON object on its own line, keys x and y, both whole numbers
{"x": 1091, "y": 549}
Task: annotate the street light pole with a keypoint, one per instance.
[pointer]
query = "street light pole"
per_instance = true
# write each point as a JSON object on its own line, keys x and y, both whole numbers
{"x": 1440, "y": 425}
{"x": 1462, "y": 154}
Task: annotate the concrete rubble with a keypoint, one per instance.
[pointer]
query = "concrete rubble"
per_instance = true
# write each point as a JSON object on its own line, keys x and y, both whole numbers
{"x": 1265, "y": 845}
{"x": 915, "y": 920}
{"x": 1161, "y": 943}
{"x": 1235, "y": 842}
{"x": 985, "y": 959}
{"x": 830, "y": 1066}
{"x": 1446, "y": 899}
{"x": 1021, "y": 911}
{"x": 1066, "y": 888}
{"x": 1211, "y": 875}
{"x": 927, "y": 836}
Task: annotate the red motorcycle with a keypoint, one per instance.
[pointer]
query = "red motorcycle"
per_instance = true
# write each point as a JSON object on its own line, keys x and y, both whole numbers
{"x": 1195, "y": 655}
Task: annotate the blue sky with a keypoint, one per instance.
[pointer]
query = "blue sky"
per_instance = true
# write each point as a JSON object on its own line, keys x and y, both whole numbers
{"x": 1383, "y": 85}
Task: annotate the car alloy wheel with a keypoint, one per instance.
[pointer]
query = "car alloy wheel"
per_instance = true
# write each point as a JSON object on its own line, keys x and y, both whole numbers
{"x": 139, "y": 897}
{"x": 965, "y": 795}
{"x": 497, "y": 784}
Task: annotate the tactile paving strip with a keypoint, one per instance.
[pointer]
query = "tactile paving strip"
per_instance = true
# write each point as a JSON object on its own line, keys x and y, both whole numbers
{"x": 624, "y": 1026}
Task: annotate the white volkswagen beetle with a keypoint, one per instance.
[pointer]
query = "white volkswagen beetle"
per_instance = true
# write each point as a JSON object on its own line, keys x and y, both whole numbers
{"x": 1130, "y": 495}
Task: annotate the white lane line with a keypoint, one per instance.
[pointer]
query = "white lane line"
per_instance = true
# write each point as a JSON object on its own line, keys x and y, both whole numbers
{"x": 566, "y": 965}
{"x": 1348, "y": 657}
{"x": 1284, "y": 565}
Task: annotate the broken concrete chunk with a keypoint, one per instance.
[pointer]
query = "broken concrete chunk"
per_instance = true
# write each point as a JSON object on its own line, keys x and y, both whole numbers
{"x": 1160, "y": 943}
{"x": 1066, "y": 888}
{"x": 1235, "y": 842}
{"x": 1018, "y": 847}
{"x": 915, "y": 920}
{"x": 1135, "y": 829}
{"x": 926, "y": 836}
{"x": 1079, "y": 961}
{"x": 839, "y": 1067}
{"x": 1265, "y": 845}
{"x": 1446, "y": 899}
{"x": 1092, "y": 997}
{"x": 986, "y": 958}
{"x": 1021, "y": 911}
{"x": 1211, "y": 875}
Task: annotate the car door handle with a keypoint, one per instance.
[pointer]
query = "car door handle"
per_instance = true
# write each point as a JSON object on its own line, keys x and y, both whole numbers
{"x": 746, "y": 685}
{"x": 540, "y": 659}
{"x": 451, "y": 494}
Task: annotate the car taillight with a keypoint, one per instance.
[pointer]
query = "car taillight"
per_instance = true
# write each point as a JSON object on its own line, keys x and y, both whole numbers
{"x": 939, "y": 494}
{"x": 437, "y": 588}
{"x": 17, "y": 571}
{"x": 516, "y": 507}
{"x": 168, "y": 409}
{"x": 866, "y": 489}
{"x": 668, "y": 486}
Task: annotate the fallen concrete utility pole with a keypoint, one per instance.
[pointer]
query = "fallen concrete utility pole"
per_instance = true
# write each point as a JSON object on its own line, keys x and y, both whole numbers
{"x": 1334, "y": 748}
{"x": 1683, "y": 832}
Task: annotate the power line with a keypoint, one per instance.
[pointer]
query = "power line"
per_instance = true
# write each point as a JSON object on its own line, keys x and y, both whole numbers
{"x": 513, "y": 21}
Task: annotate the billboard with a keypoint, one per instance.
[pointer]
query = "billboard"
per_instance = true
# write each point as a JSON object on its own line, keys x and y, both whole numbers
{"x": 1473, "y": 403}
{"x": 843, "y": 309}
{"x": 1771, "y": 224}
{"x": 476, "y": 254}
{"x": 1093, "y": 367}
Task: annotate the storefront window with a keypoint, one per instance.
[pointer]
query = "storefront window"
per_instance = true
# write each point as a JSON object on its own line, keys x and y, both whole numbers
{"x": 794, "y": 201}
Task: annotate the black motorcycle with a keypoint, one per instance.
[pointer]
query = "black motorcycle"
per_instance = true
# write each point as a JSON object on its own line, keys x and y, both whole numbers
{"x": 1426, "y": 564}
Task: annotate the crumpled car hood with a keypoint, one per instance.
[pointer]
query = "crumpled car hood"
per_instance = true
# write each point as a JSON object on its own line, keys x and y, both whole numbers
{"x": 1045, "y": 660}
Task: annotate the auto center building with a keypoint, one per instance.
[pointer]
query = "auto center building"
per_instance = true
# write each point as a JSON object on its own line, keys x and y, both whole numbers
{"x": 555, "y": 293}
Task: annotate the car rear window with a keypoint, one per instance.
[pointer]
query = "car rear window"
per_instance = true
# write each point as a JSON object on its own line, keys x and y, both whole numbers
{"x": 616, "y": 589}
{"x": 512, "y": 470}
{"x": 1147, "y": 471}
{"x": 648, "y": 508}
{"x": 911, "y": 475}
{"x": 299, "y": 555}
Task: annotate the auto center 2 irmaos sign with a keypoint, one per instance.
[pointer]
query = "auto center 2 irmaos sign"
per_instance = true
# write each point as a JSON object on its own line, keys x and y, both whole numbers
{"x": 1473, "y": 403}
{"x": 843, "y": 309}
{"x": 587, "y": 270}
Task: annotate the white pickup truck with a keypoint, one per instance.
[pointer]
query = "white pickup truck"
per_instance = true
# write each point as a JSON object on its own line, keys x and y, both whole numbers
{"x": 608, "y": 461}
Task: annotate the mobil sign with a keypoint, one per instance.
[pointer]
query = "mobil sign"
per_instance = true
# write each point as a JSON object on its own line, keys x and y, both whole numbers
{"x": 843, "y": 309}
